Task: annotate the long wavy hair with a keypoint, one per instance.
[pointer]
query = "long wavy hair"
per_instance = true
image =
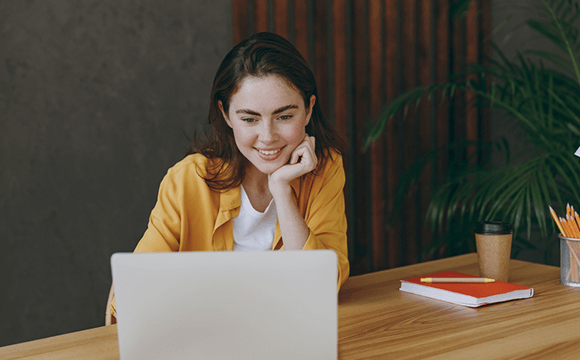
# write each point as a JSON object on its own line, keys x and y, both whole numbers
{"x": 261, "y": 55}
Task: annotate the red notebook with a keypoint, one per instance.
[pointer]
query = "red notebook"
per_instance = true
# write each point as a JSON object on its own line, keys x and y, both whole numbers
{"x": 466, "y": 294}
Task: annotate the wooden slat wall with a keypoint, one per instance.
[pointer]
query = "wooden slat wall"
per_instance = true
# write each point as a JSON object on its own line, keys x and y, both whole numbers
{"x": 364, "y": 53}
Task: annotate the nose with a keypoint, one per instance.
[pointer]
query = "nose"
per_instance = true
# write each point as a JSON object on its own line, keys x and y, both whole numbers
{"x": 268, "y": 133}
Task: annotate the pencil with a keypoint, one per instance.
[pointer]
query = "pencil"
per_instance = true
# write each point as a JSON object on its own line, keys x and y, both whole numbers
{"x": 567, "y": 224}
{"x": 555, "y": 217}
{"x": 572, "y": 226}
{"x": 566, "y": 232}
{"x": 571, "y": 231}
{"x": 457, "y": 280}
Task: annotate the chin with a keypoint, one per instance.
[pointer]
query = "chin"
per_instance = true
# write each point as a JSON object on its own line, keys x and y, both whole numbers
{"x": 268, "y": 169}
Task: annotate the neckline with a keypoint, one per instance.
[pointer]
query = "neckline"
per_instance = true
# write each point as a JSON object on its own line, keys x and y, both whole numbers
{"x": 246, "y": 200}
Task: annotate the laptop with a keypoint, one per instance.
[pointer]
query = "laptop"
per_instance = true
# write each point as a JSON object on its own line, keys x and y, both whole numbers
{"x": 226, "y": 305}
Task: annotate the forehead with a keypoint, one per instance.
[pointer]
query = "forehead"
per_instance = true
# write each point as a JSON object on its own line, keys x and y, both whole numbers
{"x": 265, "y": 91}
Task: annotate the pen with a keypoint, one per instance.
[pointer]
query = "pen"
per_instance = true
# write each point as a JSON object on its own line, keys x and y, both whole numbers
{"x": 457, "y": 280}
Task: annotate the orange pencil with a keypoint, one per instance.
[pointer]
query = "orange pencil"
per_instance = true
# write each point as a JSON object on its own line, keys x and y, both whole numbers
{"x": 555, "y": 217}
{"x": 573, "y": 221}
{"x": 577, "y": 218}
{"x": 573, "y": 216}
{"x": 566, "y": 232}
{"x": 572, "y": 226}
{"x": 572, "y": 231}
{"x": 568, "y": 227}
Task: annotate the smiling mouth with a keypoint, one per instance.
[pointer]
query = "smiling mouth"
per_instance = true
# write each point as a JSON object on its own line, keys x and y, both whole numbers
{"x": 269, "y": 152}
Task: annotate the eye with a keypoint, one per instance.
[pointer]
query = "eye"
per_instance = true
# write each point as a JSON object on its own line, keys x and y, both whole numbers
{"x": 285, "y": 117}
{"x": 248, "y": 119}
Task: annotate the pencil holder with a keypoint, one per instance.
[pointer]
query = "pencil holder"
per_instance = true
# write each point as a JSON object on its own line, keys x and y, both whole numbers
{"x": 569, "y": 261}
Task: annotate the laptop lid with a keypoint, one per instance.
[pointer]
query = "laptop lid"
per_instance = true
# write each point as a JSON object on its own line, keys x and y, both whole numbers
{"x": 226, "y": 305}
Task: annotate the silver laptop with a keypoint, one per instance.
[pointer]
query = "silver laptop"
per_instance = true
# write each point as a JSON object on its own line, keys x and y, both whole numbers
{"x": 226, "y": 305}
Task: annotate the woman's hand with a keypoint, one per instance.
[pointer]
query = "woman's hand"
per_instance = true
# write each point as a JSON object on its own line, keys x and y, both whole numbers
{"x": 302, "y": 161}
{"x": 293, "y": 228}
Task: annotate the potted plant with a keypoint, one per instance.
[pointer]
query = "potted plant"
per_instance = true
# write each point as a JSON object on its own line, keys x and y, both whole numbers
{"x": 539, "y": 91}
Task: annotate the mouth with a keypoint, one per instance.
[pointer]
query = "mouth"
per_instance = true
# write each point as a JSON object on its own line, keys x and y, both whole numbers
{"x": 269, "y": 154}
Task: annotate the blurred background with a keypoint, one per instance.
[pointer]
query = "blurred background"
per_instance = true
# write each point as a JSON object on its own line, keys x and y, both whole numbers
{"x": 99, "y": 97}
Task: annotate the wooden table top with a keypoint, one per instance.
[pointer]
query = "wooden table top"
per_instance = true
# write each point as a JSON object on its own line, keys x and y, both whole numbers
{"x": 377, "y": 321}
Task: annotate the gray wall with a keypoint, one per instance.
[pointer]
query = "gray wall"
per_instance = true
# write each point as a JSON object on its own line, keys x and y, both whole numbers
{"x": 96, "y": 100}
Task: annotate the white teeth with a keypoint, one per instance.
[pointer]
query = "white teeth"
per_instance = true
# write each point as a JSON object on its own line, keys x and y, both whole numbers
{"x": 272, "y": 152}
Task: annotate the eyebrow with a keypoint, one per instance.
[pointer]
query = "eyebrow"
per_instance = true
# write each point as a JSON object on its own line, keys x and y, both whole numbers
{"x": 277, "y": 111}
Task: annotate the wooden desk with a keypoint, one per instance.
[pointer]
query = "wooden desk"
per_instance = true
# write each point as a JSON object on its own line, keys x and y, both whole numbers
{"x": 377, "y": 321}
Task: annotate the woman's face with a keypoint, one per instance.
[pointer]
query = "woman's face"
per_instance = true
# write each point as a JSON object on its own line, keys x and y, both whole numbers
{"x": 268, "y": 118}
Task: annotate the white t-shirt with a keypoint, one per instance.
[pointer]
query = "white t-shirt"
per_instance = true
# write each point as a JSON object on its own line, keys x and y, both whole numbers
{"x": 253, "y": 230}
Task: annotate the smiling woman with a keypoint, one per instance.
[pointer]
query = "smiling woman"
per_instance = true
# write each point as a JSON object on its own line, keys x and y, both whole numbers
{"x": 268, "y": 140}
{"x": 269, "y": 176}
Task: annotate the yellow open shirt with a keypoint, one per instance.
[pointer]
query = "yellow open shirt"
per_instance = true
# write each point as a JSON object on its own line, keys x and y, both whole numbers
{"x": 189, "y": 216}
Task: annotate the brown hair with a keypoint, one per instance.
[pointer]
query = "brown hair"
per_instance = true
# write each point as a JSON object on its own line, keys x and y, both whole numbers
{"x": 260, "y": 55}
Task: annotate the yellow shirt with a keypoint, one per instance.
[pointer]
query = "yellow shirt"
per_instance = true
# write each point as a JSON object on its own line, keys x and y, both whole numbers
{"x": 189, "y": 216}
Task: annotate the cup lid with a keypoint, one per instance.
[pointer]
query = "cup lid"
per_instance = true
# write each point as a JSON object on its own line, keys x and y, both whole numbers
{"x": 493, "y": 228}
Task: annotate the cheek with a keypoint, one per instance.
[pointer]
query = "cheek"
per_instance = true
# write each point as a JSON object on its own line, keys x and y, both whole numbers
{"x": 296, "y": 136}
{"x": 243, "y": 137}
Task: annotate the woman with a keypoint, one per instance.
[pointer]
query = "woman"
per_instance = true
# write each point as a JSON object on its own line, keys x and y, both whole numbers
{"x": 269, "y": 176}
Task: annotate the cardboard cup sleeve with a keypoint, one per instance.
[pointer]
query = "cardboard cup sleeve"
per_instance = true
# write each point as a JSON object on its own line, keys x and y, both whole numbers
{"x": 493, "y": 252}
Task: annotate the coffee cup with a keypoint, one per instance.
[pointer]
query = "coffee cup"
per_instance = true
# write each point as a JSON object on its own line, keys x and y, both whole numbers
{"x": 493, "y": 240}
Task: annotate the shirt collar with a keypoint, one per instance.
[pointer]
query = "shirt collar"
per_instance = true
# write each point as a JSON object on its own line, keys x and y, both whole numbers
{"x": 230, "y": 199}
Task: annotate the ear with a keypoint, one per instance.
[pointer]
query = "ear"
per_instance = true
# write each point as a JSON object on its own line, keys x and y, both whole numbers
{"x": 221, "y": 106}
{"x": 309, "y": 110}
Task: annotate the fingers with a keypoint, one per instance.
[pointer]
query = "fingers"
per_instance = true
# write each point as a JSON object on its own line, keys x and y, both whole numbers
{"x": 305, "y": 153}
{"x": 311, "y": 140}
{"x": 302, "y": 161}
